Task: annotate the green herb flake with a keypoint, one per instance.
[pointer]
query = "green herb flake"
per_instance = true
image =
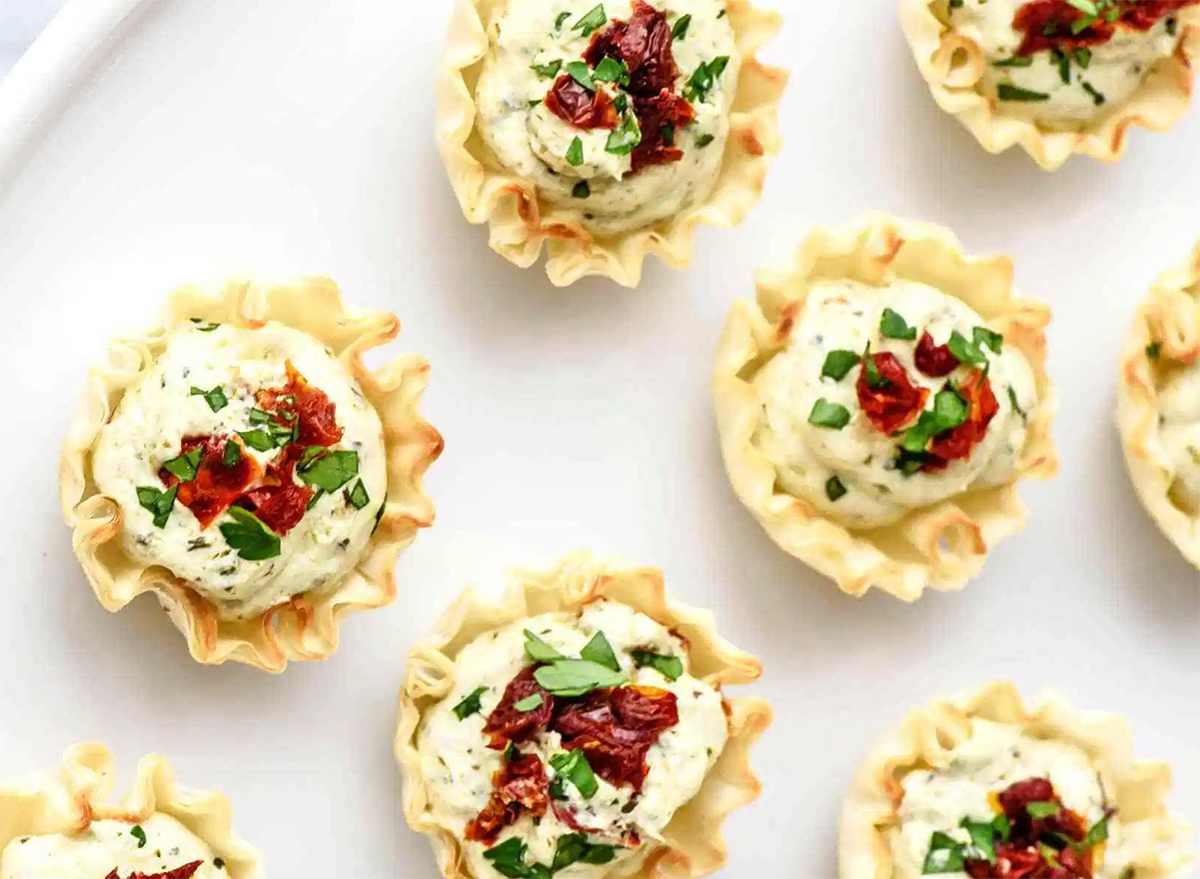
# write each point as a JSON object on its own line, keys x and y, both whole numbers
{"x": 538, "y": 650}
{"x": 703, "y": 140}
{"x": 253, "y": 540}
{"x": 186, "y": 466}
{"x": 530, "y": 704}
{"x": 679, "y": 31}
{"x": 576, "y": 677}
{"x": 329, "y": 471}
{"x": 582, "y": 74}
{"x": 232, "y": 455}
{"x": 670, "y": 667}
{"x": 574, "y": 767}
{"x": 139, "y": 834}
{"x": 839, "y": 363}
{"x": 623, "y": 139}
{"x": 548, "y": 70}
{"x": 215, "y": 398}
{"x": 594, "y": 20}
{"x": 1042, "y": 809}
{"x": 158, "y": 503}
{"x": 835, "y": 489}
{"x": 832, "y": 416}
{"x": 599, "y": 651}
{"x": 202, "y": 325}
{"x": 575, "y": 152}
{"x": 1008, "y": 92}
{"x": 581, "y": 190}
{"x": 983, "y": 337}
{"x": 469, "y": 705}
{"x": 611, "y": 70}
{"x": 893, "y": 326}
{"x": 259, "y": 440}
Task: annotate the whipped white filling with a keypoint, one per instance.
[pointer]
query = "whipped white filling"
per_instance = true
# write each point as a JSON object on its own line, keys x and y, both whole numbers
{"x": 157, "y": 845}
{"x": 160, "y": 410}
{"x": 458, "y": 766}
{"x": 1075, "y": 94}
{"x": 529, "y": 140}
{"x": 1179, "y": 409}
{"x": 995, "y": 757}
{"x": 846, "y": 316}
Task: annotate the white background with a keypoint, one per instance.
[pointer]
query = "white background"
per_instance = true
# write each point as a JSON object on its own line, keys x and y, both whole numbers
{"x": 294, "y": 137}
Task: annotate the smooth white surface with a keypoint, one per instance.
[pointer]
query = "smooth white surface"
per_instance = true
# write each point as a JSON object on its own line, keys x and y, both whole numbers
{"x": 20, "y": 22}
{"x": 296, "y": 137}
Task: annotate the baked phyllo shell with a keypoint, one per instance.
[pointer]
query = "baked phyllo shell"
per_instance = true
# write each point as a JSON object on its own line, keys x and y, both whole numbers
{"x": 940, "y": 546}
{"x": 82, "y": 793}
{"x": 692, "y": 843}
{"x": 928, "y": 735}
{"x": 305, "y": 627}
{"x": 522, "y": 224}
{"x": 954, "y": 65}
{"x": 1165, "y": 337}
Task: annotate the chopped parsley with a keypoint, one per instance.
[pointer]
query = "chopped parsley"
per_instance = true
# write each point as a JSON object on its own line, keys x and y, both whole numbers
{"x": 548, "y": 70}
{"x": 538, "y": 650}
{"x": 839, "y": 363}
{"x": 593, "y": 21}
{"x": 835, "y": 489}
{"x": 530, "y": 704}
{"x": 574, "y": 767}
{"x": 679, "y": 31}
{"x": 575, "y": 152}
{"x": 1009, "y": 92}
{"x": 893, "y": 326}
{"x": 215, "y": 398}
{"x": 233, "y": 454}
{"x": 704, "y": 78}
{"x": 253, "y": 540}
{"x": 158, "y": 503}
{"x": 576, "y": 677}
{"x": 623, "y": 139}
{"x": 582, "y": 74}
{"x": 139, "y": 834}
{"x": 833, "y": 416}
{"x": 670, "y": 667}
{"x": 327, "y": 469}
{"x": 186, "y": 466}
{"x": 611, "y": 70}
{"x": 581, "y": 190}
{"x": 470, "y": 705}
{"x": 599, "y": 651}
{"x": 357, "y": 496}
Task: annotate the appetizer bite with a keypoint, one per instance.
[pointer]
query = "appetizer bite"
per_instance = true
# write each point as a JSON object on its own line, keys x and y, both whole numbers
{"x": 242, "y": 463}
{"x": 879, "y": 402}
{"x": 1058, "y": 77}
{"x": 1159, "y": 405}
{"x": 67, "y": 828}
{"x": 980, "y": 786}
{"x": 579, "y": 726}
{"x": 606, "y": 130}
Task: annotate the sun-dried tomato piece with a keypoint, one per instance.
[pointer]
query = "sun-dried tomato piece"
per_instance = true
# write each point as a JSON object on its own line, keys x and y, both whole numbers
{"x": 506, "y": 724}
{"x": 666, "y": 112}
{"x": 896, "y": 402}
{"x": 935, "y": 361}
{"x": 572, "y": 103}
{"x": 1145, "y": 14}
{"x": 615, "y": 728}
{"x": 187, "y": 871}
{"x": 316, "y": 413}
{"x": 519, "y": 786}
{"x": 957, "y": 444}
{"x": 644, "y": 43}
{"x": 1049, "y": 25}
{"x": 216, "y": 486}
{"x": 280, "y": 502}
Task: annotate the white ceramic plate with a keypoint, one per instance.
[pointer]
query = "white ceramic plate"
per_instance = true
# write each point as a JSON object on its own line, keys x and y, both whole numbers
{"x": 147, "y": 144}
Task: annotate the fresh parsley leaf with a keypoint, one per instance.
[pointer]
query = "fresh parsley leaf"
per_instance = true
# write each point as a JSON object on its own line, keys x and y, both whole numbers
{"x": 1097, "y": 834}
{"x": 946, "y": 855}
{"x": 232, "y": 455}
{"x": 623, "y": 139}
{"x": 611, "y": 70}
{"x": 158, "y": 503}
{"x": 1042, "y": 809}
{"x": 253, "y": 540}
{"x": 532, "y": 703}
{"x": 833, "y": 416}
{"x": 329, "y": 471}
{"x": 893, "y": 326}
{"x": 202, "y": 325}
{"x": 835, "y": 489}
{"x": 257, "y": 439}
{"x": 599, "y": 651}
{"x": 548, "y": 70}
{"x": 357, "y": 496}
{"x": 574, "y": 767}
{"x": 470, "y": 705}
{"x": 574, "y": 848}
{"x": 581, "y": 190}
{"x": 508, "y": 858}
{"x": 575, "y": 152}
{"x": 839, "y": 363}
{"x": 575, "y": 677}
{"x": 1009, "y": 92}
{"x": 983, "y": 337}
{"x": 679, "y": 31}
{"x": 538, "y": 650}
{"x": 139, "y": 834}
{"x": 215, "y": 398}
{"x": 670, "y": 667}
{"x": 966, "y": 351}
{"x": 594, "y": 20}
{"x": 186, "y": 466}
{"x": 582, "y": 74}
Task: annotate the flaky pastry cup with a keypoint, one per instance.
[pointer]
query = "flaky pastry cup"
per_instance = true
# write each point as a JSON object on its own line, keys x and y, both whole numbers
{"x": 940, "y": 546}
{"x": 305, "y": 628}
{"x": 953, "y": 66}
{"x": 82, "y": 793}
{"x": 521, "y": 223}
{"x": 1170, "y": 320}
{"x": 694, "y": 845}
{"x": 927, "y": 735}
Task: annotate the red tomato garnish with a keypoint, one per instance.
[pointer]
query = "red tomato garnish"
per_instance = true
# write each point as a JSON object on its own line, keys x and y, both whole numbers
{"x": 644, "y": 43}
{"x": 894, "y": 404}
{"x": 957, "y": 444}
{"x": 615, "y": 728}
{"x": 519, "y": 786}
{"x": 1049, "y": 24}
{"x": 506, "y": 724}
{"x": 935, "y": 361}
{"x": 1020, "y": 857}
{"x": 572, "y": 103}
{"x": 187, "y": 871}
{"x": 666, "y": 111}
{"x": 281, "y": 502}
{"x": 317, "y": 415}
{"x": 216, "y": 486}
